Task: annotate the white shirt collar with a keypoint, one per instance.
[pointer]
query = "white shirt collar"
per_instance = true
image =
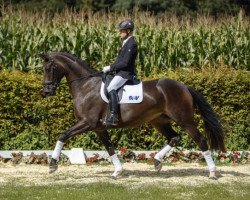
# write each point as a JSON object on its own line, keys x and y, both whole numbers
{"x": 124, "y": 41}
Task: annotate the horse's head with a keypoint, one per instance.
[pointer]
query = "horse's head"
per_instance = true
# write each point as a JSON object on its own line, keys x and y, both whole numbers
{"x": 53, "y": 74}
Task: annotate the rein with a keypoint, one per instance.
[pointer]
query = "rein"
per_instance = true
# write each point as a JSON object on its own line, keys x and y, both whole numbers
{"x": 84, "y": 77}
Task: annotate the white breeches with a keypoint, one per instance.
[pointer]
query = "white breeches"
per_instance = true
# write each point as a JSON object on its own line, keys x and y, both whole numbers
{"x": 116, "y": 83}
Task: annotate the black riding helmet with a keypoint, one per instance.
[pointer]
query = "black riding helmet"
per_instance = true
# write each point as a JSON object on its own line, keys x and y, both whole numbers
{"x": 126, "y": 24}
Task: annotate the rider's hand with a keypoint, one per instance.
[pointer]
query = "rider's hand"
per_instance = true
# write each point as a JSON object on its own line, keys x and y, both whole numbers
{"x": 106, "y": 69}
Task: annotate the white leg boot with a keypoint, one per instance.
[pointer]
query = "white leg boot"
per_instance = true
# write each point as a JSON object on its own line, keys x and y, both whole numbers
{"x": 210, "y": 164}
{"x": 57, "y": 151}
{"x": 55, "y": 157}
{"x": 159, "y": 156}
{"x": 117, "y": 164}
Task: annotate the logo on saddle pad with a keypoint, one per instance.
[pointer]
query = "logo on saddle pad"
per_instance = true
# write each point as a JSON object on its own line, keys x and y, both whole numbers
{"x": 127, "y": 94}
{"x": 133, "y": 97}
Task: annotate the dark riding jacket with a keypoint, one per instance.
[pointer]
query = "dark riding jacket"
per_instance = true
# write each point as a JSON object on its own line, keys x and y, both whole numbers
{"x": 124, "y": 65}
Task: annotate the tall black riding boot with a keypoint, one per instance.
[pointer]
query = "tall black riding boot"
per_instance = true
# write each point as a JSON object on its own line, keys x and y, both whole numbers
{"x": 112, "y": 119}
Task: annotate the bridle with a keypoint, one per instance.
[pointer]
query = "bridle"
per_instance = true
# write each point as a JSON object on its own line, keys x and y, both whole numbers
{"x": 54, "y": 82}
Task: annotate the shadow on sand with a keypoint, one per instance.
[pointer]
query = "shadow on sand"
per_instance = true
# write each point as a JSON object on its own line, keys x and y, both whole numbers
{"x": 175, "y": 173}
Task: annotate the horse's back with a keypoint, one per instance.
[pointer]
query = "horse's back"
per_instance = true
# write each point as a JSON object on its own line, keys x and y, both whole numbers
{"x": 173, "y": 93}
{"x": 165, "y": 84}
{"x": 167, "y": 90}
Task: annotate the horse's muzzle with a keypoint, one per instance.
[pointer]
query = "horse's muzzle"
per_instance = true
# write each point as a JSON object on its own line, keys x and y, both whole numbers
{"x": 48, "y": 90}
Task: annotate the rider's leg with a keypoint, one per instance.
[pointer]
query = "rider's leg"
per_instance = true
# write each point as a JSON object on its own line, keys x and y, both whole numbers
{"x": 115, "y": 84}
{"x": 112, "y": 119}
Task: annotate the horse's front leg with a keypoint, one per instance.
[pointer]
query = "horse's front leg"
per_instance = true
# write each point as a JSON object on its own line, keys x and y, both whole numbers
{"x": 105, "y": 138}
{"x": 76, "y": 129}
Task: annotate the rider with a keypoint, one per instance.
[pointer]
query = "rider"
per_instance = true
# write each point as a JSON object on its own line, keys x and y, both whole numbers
{"x": 123, "y": 68}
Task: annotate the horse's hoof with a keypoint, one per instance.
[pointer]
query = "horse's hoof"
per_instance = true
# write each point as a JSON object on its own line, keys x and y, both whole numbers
{"x": 116, "y": 174}
{"x": 52, "y": 168}
{"x": 158, "y": 165}
{"x": 212, "y": 176}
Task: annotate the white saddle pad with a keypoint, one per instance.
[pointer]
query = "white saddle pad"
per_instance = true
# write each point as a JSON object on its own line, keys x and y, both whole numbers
{"x": 131, "y": 94}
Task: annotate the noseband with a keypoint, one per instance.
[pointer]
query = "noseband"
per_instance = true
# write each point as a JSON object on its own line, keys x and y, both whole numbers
{"x": 54, "y": 82}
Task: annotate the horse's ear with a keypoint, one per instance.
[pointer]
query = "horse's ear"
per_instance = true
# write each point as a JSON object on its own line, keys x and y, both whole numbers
{"x": 45, "y": 57}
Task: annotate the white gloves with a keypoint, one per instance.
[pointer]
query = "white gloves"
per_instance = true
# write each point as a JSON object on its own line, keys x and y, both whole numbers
{"x": 106, "y": 69}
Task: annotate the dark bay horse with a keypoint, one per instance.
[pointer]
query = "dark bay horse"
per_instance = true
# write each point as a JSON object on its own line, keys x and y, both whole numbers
{"x": 164, "y": 101}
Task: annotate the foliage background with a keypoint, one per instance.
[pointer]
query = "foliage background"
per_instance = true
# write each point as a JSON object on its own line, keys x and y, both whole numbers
{"x": 31, "y": 122}
{"x": 166, "y": 42}
{"x": 215, "y": 8}
{"x": 209, "y": 53}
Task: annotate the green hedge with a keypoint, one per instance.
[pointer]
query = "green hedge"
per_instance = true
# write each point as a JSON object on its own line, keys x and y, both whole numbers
{"x": 28, "y": 121}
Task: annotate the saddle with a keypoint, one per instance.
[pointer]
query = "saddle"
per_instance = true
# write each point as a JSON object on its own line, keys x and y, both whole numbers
{"x": 130, "y": 92}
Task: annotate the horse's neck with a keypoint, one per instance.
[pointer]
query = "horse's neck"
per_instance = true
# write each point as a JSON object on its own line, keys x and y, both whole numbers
{"x": 74, "y": 70}
{"x": 84, "y": 87}
{"x": 78, "y": 77}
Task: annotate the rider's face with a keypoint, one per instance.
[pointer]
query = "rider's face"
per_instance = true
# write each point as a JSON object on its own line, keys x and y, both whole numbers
{"x": 123, "y": 33}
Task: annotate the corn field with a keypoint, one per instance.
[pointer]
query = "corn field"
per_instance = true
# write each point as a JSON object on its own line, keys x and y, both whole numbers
{"x": 164, "y": 42}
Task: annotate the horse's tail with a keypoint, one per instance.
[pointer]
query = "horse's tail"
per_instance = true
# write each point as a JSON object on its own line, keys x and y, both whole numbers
{"x": 213, "y": 128}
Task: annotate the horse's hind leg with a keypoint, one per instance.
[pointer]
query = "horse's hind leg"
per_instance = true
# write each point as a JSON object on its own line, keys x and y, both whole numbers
{"x": 170, "y": 134}
{"x": 104, "y": 137}
{"x": 201, "y": 141}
